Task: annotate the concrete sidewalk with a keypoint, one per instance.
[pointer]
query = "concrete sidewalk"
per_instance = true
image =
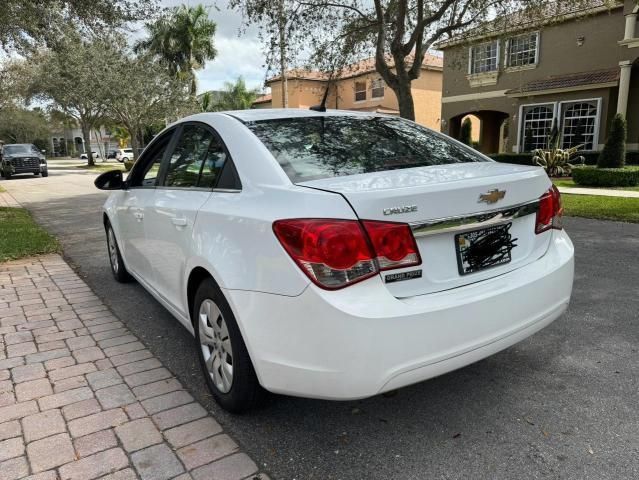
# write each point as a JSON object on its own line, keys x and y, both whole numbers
{"x": 603, "y": 192}
{"x": 82, "y": 398}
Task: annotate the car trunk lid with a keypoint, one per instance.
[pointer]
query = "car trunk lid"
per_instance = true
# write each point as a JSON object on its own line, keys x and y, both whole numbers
{"x": 442, "y": 202}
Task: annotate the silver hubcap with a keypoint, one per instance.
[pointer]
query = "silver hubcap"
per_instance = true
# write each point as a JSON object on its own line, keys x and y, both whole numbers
{"x": 113, "y": 250}
{"x": 216, "y": 345}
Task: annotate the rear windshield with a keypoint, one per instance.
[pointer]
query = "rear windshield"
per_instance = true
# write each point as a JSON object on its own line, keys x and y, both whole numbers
{"x": 321, "y": 147}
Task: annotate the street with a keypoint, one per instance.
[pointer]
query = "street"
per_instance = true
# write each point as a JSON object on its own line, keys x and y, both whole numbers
{"x": 561, "y": 404}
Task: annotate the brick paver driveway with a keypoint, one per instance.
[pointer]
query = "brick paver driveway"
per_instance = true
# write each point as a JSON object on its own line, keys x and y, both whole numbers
{"x": 81, "y": 397}
{"x": 562, "y": 404}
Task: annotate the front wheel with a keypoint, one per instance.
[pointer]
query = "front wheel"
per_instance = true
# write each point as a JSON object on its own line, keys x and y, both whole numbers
{"x": 225, "y": 362}
{"x": 115, "y": 258}
{"x": 6, "y": 174}
{"x": 45, "y": 173}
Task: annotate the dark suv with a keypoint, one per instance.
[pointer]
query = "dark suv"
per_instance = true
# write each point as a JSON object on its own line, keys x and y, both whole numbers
{"x": 22, "y": 158}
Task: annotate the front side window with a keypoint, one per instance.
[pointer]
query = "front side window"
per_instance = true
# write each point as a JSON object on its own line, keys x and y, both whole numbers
{"x": 331, "y": 146}
{"x": 536, "y": 126}
{"x": 196, "y": 160}
{"x": 484, "y": 57}
{"x": 147, "y": 168}
{"x": 187, "y": 157}
{"x": 579, "y": 120}
{"x": 522, "y": 50}
{"x": 360, "y": 91}
{"x": 378, "y": 88}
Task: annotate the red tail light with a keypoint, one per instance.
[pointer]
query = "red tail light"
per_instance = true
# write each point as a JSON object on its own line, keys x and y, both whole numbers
{"x": 550, "y": 211}
{"x": 337, "y": 253}
{"x": 394, "y": 244}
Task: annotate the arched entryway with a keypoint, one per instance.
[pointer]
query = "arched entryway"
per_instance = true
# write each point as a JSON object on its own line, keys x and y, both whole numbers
{"x": 493, "y": 129}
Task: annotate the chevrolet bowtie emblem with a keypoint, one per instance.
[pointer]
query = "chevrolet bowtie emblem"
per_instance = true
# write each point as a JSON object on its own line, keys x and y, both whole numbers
{"x": 493, "y": 196}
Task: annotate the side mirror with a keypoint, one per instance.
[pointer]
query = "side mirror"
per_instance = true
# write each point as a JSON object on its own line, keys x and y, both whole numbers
{"x": 111, "y": 180}
{"x": 43, "y": 151}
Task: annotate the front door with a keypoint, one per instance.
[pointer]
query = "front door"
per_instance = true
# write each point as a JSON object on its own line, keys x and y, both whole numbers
{"x": 186, "y": 185}
{"x": 138, "y": 196}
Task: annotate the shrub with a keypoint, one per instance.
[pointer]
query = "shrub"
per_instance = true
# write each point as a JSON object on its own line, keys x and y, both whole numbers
{"x": 466, "y": 133}
{"x": 606, "y": 177}
{"x": 613, "y": 154}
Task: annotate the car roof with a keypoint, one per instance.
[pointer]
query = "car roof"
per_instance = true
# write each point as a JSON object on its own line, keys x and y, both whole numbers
{"x": 258, "y": 114}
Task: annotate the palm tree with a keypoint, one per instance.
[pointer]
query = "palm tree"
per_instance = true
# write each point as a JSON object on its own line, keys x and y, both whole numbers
{"x": 236, "y": 96}
{"x": 183, "y": 41}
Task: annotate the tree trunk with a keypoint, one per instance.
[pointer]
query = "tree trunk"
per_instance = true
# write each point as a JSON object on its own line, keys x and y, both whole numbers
{"x": 405, "y": 99}
{"x": 86, "y": 136}
{"x": 281, "y": 23}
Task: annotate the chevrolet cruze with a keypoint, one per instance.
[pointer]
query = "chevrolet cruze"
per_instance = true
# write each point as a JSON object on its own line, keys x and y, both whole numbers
{"x": 336, "y": 255}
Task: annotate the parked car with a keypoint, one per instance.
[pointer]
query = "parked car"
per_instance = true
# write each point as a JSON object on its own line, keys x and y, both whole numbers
{"x": 124, "y": 155}
{"x": 84, "y": 156}
{"x": 336, "y": 255}
{"x": 17, "y": 158}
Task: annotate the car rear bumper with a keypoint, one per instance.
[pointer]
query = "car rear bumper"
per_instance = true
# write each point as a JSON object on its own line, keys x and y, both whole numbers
{"x": 361, "y": 341}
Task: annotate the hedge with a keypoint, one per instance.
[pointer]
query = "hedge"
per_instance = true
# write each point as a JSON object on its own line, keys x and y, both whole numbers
{"x": 632, "y": 158}
{"x": 606, "y": 177}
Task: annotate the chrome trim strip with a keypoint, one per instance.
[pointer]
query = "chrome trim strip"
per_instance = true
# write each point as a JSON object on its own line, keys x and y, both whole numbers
{"x": 473, "y": 221}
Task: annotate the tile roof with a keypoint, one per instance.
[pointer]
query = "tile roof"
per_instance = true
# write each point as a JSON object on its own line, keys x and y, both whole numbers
{"x": 263, "y": 98}
{"x": 532, "y": 17}
{"x": 568, "y": 81}
{"x": 359, "y": 68}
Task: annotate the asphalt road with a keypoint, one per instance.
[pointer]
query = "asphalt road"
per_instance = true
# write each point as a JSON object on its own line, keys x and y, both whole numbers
{"x": 562, "y": 404}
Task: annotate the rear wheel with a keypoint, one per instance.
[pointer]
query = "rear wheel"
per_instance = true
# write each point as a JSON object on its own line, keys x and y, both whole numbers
{"x": 115, "y": 258}
{"x": 225, "y": 362}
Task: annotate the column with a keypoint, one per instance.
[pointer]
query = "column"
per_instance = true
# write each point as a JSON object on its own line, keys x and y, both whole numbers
{"x": 624, "y": 87}
{"x": 631, "y": 24}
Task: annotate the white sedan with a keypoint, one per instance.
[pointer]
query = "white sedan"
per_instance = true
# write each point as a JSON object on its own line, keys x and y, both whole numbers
{"x": 336, "y": 255}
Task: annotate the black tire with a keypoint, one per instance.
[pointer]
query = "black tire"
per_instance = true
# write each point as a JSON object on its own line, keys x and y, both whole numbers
{"x": 6, "y": 175}
{"x": 245, "y": 392}
{"x": 45, "y": 173}
{"x": 118, "y": 269}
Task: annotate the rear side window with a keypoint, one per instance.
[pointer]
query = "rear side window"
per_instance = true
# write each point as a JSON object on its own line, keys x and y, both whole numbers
{"x": 321, "y": 147}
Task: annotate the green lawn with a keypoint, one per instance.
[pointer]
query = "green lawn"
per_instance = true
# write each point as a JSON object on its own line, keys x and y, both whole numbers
{"x": 2, "y": 189}
{"x": 603, "y": 208}
{"x": 560, "y": 182}
{"x": 20, "y": 236}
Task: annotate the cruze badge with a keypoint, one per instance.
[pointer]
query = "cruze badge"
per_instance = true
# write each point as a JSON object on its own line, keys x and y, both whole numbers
{"x": 398, "y": 210}
{"x": 493, "y": 196}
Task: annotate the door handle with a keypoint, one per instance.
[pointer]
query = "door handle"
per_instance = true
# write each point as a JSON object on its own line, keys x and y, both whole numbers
{"x": 138, "y": 216}
{"x": 179, "y": 221}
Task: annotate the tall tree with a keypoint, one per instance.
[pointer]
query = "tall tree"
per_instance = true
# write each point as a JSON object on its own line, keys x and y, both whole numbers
{"x": 19, "y": 125}
{"x": 26, "y": 24}
{"x": 183, "y": 40}
{"x": 234, "y": 96}
{"x": 72, "y": 78}
{"x": 154, "y": 96}
{"x": 396, "y": 33}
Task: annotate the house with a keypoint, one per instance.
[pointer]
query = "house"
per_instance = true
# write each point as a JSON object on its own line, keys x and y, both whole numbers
{"x": 66, "y": 140}
{"x": 577, "y": 67}
{"x": 359, "y": 87}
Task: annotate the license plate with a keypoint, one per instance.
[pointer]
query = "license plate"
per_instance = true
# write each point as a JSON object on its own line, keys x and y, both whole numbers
{"x": 485, "y": 248}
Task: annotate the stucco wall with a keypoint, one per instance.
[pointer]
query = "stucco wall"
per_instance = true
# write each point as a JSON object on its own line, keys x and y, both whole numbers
{"x": 426, "y": 95}
{"x": 559, "y": 54}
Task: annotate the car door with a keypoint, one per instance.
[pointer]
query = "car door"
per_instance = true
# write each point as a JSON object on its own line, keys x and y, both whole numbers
{"x": 187, "y": 183}
{"x": 141, "y": 185}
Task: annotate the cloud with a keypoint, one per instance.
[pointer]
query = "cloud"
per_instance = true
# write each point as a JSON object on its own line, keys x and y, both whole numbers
{"x": 240, "y": 53}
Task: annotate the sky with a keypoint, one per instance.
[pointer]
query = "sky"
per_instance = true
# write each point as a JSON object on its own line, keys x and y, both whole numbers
{"x": 238, "y": 52}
